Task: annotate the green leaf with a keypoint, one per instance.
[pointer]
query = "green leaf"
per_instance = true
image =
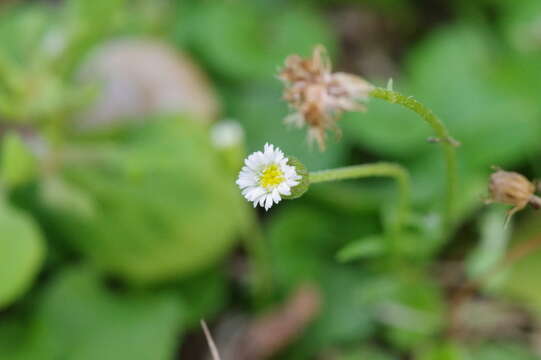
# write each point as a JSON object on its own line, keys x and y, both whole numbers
{"x": 21, "y": 253}
{"x": 521, "y": 283}
{"x": 158, "y": 204}
{"x": 456, "y": 64}
{"x": 22, "y": 29}
{"x": 242, "y": 40}
{"x": 413, "y": 315}
{"x": 17, "y": 164}
{"x": 87, "y": 23}
{"x": 444, "y": 351}
{"x": 304, "y": 239}
{"x": 501, "y": 351}
{"x": 59, "y": 195}
{"x": 350, "y": 299}
{"x": 371, "y": 246}
{"x": 365, "y": 353}
{"x": 521, "y": 25}
{"x": 79, "y": 318}
{"x": 204, "y": 296}
{"x": 13, "y": 328}
{"x": 493, "y": 243}
{"x": 377, "y": 129}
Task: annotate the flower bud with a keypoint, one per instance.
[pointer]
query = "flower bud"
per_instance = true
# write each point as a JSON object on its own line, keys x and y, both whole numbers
{"x": 304, "y": 183}
{"x": 514, "y": 189}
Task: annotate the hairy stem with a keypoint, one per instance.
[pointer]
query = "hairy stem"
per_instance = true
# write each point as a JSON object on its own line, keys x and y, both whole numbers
{"x": 442, "y": 136}
{"x": 391, "y": 170}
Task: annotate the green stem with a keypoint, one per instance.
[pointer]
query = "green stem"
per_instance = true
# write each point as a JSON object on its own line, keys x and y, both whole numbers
{"x": 449, "y": 144}
{"x": 394, "y": 171}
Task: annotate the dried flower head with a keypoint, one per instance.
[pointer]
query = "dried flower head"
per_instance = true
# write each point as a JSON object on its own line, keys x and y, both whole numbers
{"x": 319, "y": 96}
{"x": 514, "y": 189}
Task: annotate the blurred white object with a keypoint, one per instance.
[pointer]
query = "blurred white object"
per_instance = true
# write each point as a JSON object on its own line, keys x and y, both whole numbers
{"x": 140, "y": 77}
{"x": 54, "y": 42}
{"x": 226, "y": 134}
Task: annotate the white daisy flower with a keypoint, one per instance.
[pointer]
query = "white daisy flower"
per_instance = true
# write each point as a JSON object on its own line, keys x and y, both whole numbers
{"x": 267, "y": 177}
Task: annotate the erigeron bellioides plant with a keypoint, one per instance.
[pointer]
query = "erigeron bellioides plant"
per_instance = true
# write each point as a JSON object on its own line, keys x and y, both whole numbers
{"x": 318, "y": 97}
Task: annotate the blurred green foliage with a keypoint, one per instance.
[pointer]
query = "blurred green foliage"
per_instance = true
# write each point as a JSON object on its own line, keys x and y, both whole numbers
{"x": 148, "y": 206}
{"x": 113, "y": 244}
{"x": 18, "y": 163}
{"x": 78, "y": 318}
{"x": 21, "y": 253}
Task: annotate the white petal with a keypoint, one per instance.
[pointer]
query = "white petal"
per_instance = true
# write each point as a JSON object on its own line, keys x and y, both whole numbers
{"x": 254, "y": 193}
{"x": 276, "y": 196}
{"x": 268, "y": 202}
{"x": 292, "y": 184}
{"x": 257, "y": 201}
{"x": 269, "y": 155}
{"x": 246, "y": 181}
{"x": 279, "y": 157}
{"x": 284, "y": 189}
{"x": 254, "y": 162}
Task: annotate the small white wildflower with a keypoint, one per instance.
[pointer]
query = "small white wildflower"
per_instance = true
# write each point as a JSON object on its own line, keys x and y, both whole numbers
{"x": 267, "y": 177}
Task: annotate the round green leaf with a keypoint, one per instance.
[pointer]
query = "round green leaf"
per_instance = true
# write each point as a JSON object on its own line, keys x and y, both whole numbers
{"x": 163, "y": 206}
{"x": 21, "y": 253}
{"x": 18, "y": 165}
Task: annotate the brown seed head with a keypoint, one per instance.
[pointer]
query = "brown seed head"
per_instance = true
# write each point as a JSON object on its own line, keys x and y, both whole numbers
{"x": 514, "y": 189}
{"x": 319, "y": 96}
{"x": 510, "y": 188}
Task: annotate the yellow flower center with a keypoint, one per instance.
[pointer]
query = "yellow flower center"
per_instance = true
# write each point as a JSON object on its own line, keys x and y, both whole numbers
{"x": 271, "y": 176}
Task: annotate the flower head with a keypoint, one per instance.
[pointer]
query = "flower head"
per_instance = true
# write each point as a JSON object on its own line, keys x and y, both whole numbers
{"x": 512, "y": 188}
{"x": 319, "y": 96}
{"x": 267, "y": 177}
